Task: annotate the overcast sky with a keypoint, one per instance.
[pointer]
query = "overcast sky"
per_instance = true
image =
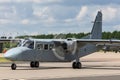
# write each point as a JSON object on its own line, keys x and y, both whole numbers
{"x": 56, "y": 16}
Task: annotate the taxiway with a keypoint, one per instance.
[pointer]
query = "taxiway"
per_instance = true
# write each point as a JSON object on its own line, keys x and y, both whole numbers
{"x": 97, "y": 65}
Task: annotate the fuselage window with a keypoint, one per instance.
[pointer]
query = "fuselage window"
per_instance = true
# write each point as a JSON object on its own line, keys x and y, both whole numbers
{"x": 51, "y": 46}
{"x": 46, "y": 46}
{"x": 39, "y": 46}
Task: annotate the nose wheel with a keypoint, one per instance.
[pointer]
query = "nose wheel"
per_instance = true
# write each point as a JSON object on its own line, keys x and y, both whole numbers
{"x": 13, "y": 66}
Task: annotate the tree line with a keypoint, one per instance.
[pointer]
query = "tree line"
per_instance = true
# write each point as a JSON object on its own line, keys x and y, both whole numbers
{"x": 105, "y": 35}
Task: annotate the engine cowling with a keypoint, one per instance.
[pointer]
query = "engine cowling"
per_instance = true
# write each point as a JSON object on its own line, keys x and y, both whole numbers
{"x": 68, "y": 47}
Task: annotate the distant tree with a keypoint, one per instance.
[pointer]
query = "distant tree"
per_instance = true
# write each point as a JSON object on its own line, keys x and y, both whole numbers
{"x": 105, "y": 35}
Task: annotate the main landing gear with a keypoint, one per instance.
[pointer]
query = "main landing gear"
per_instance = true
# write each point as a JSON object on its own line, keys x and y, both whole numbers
{"x": 77, "y": 65}
{"x": 33, "y": 64}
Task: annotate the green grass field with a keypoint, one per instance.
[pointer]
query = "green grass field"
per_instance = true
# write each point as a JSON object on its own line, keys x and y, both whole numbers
{"x": 3, "y": 60}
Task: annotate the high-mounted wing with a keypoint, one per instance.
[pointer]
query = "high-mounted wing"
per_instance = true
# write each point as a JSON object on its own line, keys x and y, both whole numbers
{"x": 82, "y": 42}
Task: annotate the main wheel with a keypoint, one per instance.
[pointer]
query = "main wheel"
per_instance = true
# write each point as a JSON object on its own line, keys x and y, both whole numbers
{"x": 13, "y": 66}
{"x": 74, "y": 65}
{"x": 36, "y": 64}
{"x": 32, "y": 64}
{"x": 79, "y": 65}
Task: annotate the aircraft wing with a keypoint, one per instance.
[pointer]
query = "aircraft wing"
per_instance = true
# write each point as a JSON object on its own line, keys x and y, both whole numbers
{"x": 98, "y": 42}
{"x": 8, "y": 40}
{"x": 4, "y": 40}
{"x": 91, "y": 41}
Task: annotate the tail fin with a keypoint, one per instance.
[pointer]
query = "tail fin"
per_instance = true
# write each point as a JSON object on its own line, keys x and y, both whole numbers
{"x": 96, "y": 32}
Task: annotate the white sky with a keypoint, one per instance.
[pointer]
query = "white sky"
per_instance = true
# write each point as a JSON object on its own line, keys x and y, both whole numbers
{"x": 18, "y": 17}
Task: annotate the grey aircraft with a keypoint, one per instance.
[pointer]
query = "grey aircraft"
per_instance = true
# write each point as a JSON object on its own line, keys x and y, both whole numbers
{"x": 110, "y": 47}
{"x": 59, "y": 50}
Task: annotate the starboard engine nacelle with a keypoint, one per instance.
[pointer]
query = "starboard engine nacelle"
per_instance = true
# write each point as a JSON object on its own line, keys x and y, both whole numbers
{"x": 66, "y": 47}
{"x": 69, "y": 46}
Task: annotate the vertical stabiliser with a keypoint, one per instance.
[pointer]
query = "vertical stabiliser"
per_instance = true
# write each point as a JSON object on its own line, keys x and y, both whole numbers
{"x": 96, "y": 32}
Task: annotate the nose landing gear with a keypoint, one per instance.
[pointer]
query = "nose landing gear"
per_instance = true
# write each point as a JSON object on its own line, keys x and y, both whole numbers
{"x": 13, "y": 66}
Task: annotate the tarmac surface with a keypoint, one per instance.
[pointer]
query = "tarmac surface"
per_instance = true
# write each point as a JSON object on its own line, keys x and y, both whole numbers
{"x": 97, "y": 66}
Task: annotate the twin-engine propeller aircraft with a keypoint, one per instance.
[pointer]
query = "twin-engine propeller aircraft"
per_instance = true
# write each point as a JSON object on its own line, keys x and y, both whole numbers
{"x": 111, "y": 47}
{"x": 59, "y": 50}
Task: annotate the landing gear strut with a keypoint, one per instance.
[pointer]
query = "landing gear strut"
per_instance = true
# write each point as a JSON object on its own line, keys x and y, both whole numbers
{"x": 77, "y": 64}
{"x": 34, "y": 64}
{"x": 13, "y": 66}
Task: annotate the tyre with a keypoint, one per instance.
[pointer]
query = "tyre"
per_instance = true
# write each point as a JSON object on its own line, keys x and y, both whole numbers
{"x": 79, "y": 65}
{"x": 74, "y": 65}
{"x": 32, "y": 64}
{"x": 13, "y": 66}
{"x": 36, "y": 64}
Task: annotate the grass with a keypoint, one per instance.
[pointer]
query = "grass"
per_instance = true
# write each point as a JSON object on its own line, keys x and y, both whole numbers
{"x": 3, "y": 60}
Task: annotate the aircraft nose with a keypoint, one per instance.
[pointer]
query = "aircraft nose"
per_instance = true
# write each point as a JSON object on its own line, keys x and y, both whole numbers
{"x": 14, "y": 53}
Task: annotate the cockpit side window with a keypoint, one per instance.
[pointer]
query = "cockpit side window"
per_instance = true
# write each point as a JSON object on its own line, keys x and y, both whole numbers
{"x": 29, "y": 44}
